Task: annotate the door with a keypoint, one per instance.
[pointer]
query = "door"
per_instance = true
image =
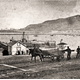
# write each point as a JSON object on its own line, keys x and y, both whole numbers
{"x": 18, "y": 50}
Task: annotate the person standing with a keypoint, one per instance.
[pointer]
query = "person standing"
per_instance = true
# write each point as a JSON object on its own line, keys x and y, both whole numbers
{"x": 78, "y": 52}
{"x": 35, "y": 49}
{"x": 69, "y": 53}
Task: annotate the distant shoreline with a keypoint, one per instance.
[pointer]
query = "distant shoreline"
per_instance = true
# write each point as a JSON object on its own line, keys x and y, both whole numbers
{"x": 39, "y": 34}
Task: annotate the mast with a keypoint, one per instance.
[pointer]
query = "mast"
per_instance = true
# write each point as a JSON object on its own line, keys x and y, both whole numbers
{"x": 23, "y": 37}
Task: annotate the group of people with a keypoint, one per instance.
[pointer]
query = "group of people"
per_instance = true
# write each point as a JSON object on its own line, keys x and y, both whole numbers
{"x": 69, "y": 52}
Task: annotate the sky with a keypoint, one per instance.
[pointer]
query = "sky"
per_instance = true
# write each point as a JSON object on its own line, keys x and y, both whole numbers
{"x": 21, "y": 13}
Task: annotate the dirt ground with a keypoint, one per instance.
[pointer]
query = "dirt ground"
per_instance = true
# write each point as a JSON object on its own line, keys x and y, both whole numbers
{"x": 21, "y": 67}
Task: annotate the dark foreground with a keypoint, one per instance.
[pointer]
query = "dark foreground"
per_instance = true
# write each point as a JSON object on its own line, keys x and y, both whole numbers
{"x": 20, "y": 67}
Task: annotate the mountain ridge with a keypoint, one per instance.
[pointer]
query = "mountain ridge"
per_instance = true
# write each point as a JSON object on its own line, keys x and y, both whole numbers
{"x": 71, "y": 23}
{"x": 61, "y": 24}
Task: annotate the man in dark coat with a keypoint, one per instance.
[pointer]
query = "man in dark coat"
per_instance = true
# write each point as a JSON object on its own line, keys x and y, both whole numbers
{"x": 69, "y": 53}
{"x": 37, "y": 50}
{"x": 78, "y": 52}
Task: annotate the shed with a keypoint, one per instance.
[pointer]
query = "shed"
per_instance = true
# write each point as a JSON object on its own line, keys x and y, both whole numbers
{"x": 62, "y": 45}
{"x": 17, "y": 48}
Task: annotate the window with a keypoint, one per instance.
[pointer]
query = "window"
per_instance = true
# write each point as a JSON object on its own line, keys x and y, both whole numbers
{"x": 18, "y": 44}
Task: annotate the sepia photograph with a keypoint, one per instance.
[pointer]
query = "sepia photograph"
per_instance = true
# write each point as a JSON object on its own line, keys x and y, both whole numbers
{"x": 39, "y": 39}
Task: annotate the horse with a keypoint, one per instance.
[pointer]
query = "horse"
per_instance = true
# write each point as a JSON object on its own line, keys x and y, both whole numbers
{"x": 35, "y": 54}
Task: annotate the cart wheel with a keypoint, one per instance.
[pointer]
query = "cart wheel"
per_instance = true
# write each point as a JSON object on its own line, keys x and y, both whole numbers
{"x": 52, "y": 58}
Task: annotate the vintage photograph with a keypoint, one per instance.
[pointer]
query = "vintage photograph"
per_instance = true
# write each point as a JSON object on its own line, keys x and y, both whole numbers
{"x": 39, "y": 39}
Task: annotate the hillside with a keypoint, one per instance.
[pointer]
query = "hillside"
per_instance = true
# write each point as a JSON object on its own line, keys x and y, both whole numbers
{"x": 62, "y": 24}
{"x": 70, "y": 25}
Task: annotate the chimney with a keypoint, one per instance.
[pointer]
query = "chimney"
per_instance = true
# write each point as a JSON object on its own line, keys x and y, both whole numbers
{"x": 11, "y": 39}
{"x": 23, "y": 37}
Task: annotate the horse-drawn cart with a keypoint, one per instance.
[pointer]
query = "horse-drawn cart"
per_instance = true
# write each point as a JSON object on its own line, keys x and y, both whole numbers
{"x": 59, "y": 54}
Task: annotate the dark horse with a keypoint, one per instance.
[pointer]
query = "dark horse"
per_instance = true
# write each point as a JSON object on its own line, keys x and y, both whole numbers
{"x": 34, "y": 53}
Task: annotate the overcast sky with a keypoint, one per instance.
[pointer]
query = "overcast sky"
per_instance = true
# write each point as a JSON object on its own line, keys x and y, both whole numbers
{"x": 20, "y": 13}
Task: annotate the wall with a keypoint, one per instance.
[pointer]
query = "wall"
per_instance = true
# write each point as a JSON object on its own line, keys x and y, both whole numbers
{"x": 14, "y": 49}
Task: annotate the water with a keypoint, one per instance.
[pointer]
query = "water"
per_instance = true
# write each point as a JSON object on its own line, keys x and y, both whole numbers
{"x": 71, "y": 40}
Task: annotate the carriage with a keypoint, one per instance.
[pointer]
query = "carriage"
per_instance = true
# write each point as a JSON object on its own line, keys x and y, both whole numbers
{"x": 48, "y": 53}
{"x": 53, "y": 53}
{"x": 57, "y": 52}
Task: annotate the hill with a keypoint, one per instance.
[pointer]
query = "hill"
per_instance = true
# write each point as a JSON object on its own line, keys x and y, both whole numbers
{"x": 62, "y": 24}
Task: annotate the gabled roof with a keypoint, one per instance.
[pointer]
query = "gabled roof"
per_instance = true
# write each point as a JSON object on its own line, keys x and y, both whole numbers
{"x": 12, "y": 43}
{"x": 26, "y": 44}
{"x": 21, "y": 43}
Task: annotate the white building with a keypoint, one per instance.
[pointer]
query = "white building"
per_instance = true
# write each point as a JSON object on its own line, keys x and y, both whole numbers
{"x": 17, "y": 48}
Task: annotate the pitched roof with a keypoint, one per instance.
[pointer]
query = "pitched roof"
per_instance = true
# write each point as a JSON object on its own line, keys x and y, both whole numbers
{"x": 11, "y": 43}
{"x": 26, "y": 44}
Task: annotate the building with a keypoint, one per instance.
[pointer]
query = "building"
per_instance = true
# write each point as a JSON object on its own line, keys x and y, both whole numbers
{"x": 52, "y": 44}
{"x": 17, "y": 48}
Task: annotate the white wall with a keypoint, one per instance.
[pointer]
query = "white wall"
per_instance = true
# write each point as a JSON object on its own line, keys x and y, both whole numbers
{"x": 14, "y": 49}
